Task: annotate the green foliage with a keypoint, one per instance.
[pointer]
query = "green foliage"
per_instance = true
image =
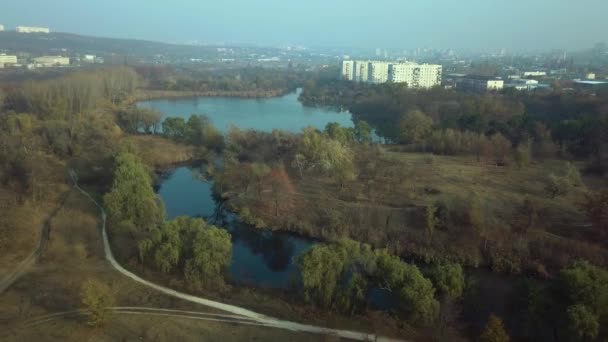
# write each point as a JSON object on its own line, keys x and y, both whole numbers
{"x": 342, "y": 134}
{"x": 363, "y": 132}
{"x": 448, "y": 279}
{"x": 325, "y": 154}
{"x": 139, "y": 120}
{"x": 336, "y": 276}
{"x": 211, "y": 258}
{"x": 430, "y": 213}
{"x": 557, "y": 185}
{"x": 582, "y": 324}
{"x": 99, "y": 300}
{"x": 132, "y": 197}
{"x": 174, "y": 128}
{"x": 415, "y": 127}
{"x": 202, "y": 251}
{"x": 494, "y": 331}
{"x": 573, "y": 174}
{"x": 198, "y": 131}
{"x": 416, "y": 293}
{"x": 587, "y": 285}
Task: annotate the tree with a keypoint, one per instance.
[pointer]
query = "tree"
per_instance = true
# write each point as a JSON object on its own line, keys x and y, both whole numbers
{"x": 299, "y": 162}
{"x": 363, "y": 132}
{"x": 336, "y": 132}
{"x": 556, "y": 185}
{"x": 416, "y": 293}
{"x": 448, "y": 279}
{"x": 431, "y": 220}
{"x": 573, "y": 175}
{"x": 523, "y": 154}
{"x": 99, "y": 300}
{"x": 132, "y": 197}
{"x": 211, "y": 257}
{"x": 282, "y": 189}
{"x": 415, "y": 126}
{"x": 582, "y": 324}
{"x": 501, "y": 148}
{"x": 324, "y": 154}
{"x": 494, "y": 331}
{"x": 526, "y": 215}
{"x": 174, "y": 128}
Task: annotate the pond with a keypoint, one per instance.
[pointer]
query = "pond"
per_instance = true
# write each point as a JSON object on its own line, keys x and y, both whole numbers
{"x": 260, "y": 257}
{"x": 284, "y": 113}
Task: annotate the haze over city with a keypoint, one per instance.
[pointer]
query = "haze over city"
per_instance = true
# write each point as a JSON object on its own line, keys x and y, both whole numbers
{"x": 475, "y": 24}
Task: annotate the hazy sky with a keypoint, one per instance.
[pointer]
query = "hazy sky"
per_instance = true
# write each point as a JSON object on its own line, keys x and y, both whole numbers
{"x": 526, "y": 24}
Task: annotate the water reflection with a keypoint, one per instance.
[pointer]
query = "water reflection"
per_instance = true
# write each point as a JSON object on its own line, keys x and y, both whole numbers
{"x": 259, "y": 257}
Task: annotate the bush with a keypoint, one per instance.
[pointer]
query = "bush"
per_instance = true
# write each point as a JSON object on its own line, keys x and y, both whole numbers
{"x": 99, "y": 300}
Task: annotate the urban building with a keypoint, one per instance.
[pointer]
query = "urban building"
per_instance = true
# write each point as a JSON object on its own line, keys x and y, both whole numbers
{"x": 348, "y": 70}
{"x": 415, "y": 75}
{"x": 523, "y": 84}
{"x": 361, "y": 71}
{"x": 480, "y": 83}
{"x": 1, "y": 27}
{"x": 590, "y": 85}
{"x": 8, "y": 59}
{"x": 534, "y": 73}
{"x": 32, "y": 29}
{"x": 590, "y": 76}
{"x": 49, "y": 61}
{"x": 378, "y": 72}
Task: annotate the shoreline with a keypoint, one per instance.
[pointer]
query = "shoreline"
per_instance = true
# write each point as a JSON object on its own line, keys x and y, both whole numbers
{"x": 147, "y": 94}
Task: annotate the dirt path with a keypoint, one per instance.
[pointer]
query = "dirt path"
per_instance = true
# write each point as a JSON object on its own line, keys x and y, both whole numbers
{"x": 45, "y": 234}
{"x": 245, "y": 313}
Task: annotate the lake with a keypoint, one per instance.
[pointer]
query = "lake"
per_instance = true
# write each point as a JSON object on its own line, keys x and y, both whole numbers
{"x": 285, "y": 113}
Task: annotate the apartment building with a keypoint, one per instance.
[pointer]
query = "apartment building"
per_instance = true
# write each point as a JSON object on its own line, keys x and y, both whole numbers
{"x": 480, "y": 83}
{"x": 32, "y": 29}
{"x": 415, "y": 75}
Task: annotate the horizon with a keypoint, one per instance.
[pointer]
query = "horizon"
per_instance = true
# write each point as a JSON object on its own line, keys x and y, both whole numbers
{"x": 318, "y": 25}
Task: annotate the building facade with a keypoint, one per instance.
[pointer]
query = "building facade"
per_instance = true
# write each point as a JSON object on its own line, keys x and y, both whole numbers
{"x": 32, "y": 29}
{"x": 415, "y": 75}
{"x": 361, "y": 71}
{"x": 49, "y": 61}
{"x": 378, "y": 72}
{"x": 348, "y": 70}
{"x": 480, "y": 83}
{"x": 1, "y": 27}
{"x": 8, "y": 59}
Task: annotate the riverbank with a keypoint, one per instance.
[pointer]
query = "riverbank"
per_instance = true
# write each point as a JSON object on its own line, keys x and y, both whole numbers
{"x": 150, "y": 94}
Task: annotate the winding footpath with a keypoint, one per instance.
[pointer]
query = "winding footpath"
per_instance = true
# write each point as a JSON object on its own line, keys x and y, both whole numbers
{"x": 45, "y": 231}
{"x": 255, "y": 317}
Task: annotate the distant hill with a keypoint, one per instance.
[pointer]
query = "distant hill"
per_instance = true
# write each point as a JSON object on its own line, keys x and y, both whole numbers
{"x": 35, "y": 43}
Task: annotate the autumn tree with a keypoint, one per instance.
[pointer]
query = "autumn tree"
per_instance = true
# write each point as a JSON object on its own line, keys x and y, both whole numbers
{"x": 415, "y": 126}
{"x": 494, "y": 331}
{"x": 596, "y": 208}
{"x": 282, "y": 189}
{"x": 99, "y": 300}
{"x": 501, "y": 148}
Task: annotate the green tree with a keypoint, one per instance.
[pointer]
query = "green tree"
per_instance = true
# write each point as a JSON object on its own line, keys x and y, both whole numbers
{"x": 415, "y": 127}
{"x": 416, "y": 293}
{"x": 174, "y": 128}
{"x": 132, "y": 197}
{"x": 99, "y": 300}
{"x": 573, "y": 174}
{"x": 448, "y": 279}
{"x": 494, "y": 331}
{"x": 582, "y": 323}
{"x": 363, "y": 132}
{"x": 211, "y": 257}
{"x": 556, "y": 185}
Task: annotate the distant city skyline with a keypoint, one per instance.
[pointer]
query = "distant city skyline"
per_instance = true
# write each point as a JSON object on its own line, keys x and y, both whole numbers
{"x": 478, "y": 25}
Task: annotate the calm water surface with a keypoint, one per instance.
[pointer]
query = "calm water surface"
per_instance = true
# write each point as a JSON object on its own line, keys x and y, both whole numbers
{"x": 259, "y": 257}
{"x": 285, "y": 113}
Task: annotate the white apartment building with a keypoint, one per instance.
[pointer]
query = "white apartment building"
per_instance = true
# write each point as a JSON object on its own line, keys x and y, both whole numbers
{"x": 8, "y": 59}
{"x": 348, "y": 70}
{"x": 49, "y": 61}
{"x": 378, "y": 72}
{"x": 1, "y": 27}
{"x": 415, "y": 75}
{"x": 32, "y": 29}
{"x": 361, "y": 71}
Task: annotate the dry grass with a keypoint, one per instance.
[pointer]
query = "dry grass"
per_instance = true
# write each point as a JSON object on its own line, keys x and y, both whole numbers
{"x": 160, "y": 152}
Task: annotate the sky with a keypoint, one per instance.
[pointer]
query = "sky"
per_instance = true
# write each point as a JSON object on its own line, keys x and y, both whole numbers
{"x": 463, "y": 24}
